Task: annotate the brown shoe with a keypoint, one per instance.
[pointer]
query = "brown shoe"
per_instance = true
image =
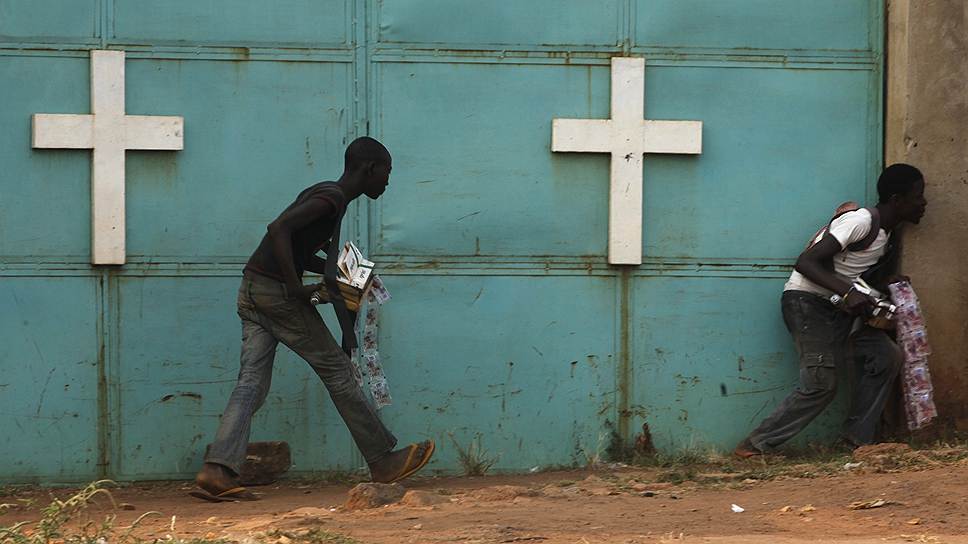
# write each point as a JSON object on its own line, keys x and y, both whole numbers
{"x": 217, "y": 483}
{"x": 746, "y": 449}
{"x": 402, "y": 463}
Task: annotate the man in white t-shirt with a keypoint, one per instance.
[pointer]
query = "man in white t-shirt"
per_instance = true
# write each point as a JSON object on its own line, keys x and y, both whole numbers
{"x": 823, "y": 310}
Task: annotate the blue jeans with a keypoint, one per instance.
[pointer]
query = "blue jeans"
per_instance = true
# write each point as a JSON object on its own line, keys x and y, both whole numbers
{"x": 269, "y": 317}
{"x": 824, "y": 341}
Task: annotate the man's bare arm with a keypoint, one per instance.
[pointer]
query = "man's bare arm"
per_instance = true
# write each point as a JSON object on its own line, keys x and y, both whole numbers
{"x": 280, "y": 232}
{"x": 811, "y": 264}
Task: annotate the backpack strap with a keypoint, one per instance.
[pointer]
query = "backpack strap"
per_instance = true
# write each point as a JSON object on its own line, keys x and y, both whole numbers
{"x": 844, "y": 207}
{"x": 861, "y": 245}
{"x": 885, "y": 267}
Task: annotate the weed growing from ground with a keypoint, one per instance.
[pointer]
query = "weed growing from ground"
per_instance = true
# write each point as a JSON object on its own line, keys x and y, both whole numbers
{"x": 64, "y": 521}
{"x": 474, "y": 460}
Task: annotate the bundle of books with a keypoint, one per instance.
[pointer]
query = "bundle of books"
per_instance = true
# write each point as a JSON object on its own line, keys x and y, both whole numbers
{"x": 354, "y": 276}
{"x": 358, "y": 282}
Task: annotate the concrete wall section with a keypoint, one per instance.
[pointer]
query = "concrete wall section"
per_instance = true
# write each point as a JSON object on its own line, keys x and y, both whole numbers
{"x": 927, "y": 116}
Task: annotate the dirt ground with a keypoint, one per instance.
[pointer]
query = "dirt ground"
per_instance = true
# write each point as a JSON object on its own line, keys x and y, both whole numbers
{"x": 617, "y": 504}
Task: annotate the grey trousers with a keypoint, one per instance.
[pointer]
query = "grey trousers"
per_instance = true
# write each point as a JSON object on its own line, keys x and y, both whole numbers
{"x": 823, "y": 339}
{"x": 269, "y": 317}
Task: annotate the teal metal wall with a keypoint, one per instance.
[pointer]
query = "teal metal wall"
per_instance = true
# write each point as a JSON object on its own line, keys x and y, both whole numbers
{"x": 507, "y": 326}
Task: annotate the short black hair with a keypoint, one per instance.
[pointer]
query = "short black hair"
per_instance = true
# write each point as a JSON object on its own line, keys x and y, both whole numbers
{"x": 897, "y": 179}
{"x": 365, "y": 149}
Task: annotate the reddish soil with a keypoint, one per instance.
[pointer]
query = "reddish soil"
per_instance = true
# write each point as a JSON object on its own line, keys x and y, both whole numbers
{"x": 577, "y": 507}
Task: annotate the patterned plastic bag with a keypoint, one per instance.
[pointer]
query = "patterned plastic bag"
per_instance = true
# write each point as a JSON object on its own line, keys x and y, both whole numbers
{"x": 915, "y": 377}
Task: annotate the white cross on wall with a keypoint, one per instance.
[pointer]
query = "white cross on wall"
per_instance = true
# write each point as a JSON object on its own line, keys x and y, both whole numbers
{"x": 109, "y": 132}
{"x": 627, "y": 136}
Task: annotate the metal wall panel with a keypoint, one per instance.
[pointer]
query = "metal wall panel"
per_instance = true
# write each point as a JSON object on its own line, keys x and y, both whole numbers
{"x": 49, "y": 20}
{"x": 774, "y": 141}
{"x": 469, "y": 22}
{"x": 45, "y": 203}
{"x": 507, "y": 327}
{"x": 178, "y": 353}
{"x": 522, "y": 365}
{"x": 49, "y": 391}
{"x": 478, "y": 194}
{"x": 481, "y": 181}
{"x": 230, "y": 22}
{"x": 256, "y": 134}
{"x": 712, "y": 359}
{"x": 831, "y": 25}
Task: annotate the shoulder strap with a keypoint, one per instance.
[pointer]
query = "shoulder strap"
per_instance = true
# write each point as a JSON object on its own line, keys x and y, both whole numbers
{"x": 887, "y": 265}
{"x": 845, "y": 207}
{"x": 347, "y": 319}
{"x": 866, "y": 242}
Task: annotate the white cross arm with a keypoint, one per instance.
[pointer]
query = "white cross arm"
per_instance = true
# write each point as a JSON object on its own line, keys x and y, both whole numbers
{"x": 154, "y": 132}
{"x": 62, "y": 131}
{"x": 672, "y": 137}
{"x": 581, "y": 135}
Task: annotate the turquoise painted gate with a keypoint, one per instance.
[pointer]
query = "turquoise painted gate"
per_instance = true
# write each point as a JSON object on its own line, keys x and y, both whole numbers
{"x": 507, "y": 327}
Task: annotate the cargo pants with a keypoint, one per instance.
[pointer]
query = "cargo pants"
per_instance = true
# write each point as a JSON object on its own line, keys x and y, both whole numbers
{"x": 824, "y": 341}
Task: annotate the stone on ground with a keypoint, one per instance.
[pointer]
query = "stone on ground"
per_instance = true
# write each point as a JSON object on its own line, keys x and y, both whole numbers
{"x": 373, "y": 495}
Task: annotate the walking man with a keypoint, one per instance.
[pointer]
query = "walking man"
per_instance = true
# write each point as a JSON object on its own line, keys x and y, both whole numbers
{"x": 275, "y": 307}
{"x": 827, "y": 315}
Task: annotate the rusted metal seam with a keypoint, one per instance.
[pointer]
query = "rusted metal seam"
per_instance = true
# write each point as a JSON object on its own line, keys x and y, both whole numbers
{"x": 103, "y": 415}
{"x": 624, "y": 369}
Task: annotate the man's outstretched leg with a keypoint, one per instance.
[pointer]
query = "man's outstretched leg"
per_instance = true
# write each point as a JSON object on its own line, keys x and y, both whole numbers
{"x": 298, "y": 325}
{"x": 819, "y": 331}
{"x": 218, "y": 479}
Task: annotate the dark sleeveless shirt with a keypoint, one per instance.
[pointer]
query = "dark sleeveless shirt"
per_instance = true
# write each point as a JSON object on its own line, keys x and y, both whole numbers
{"x": 306, "y": 241}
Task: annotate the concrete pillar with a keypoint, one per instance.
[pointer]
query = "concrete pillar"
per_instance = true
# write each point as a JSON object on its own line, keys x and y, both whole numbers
{"x": 927, "y": 126}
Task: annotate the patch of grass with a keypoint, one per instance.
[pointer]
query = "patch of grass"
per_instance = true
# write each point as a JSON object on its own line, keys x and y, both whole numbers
{"x": 821, "y": 461}
{"x": 677, "y": 476}
{"x": 63, "y": 521}
{"x": 474, "y": 459}
{"x": 66, "y": 522}
{"x": 955, "y": 449}
{"x": 809, "y": 462}
{"x": 594, "y": 456}
{"x": 11, "y": 490}
{"x": 315, "y": 536}
{"x": 19, "y": 504}
{"x": 689, "y": 456}
{"x": 711, "y": 468}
